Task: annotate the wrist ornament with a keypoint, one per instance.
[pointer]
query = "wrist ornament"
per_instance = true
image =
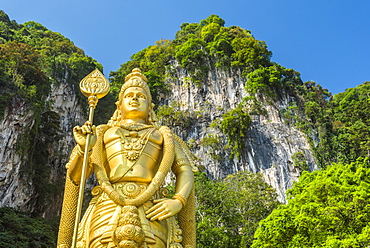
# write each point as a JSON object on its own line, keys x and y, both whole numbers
{"x": 181, "y": 198}
{"x": 81, "y": 152}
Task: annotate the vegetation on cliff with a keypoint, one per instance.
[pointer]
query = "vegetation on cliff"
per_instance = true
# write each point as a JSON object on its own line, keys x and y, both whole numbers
{"x": 333, "y": 201}
{"x": 337, "y": 128}
{"x": 198, "y": 47}
{"x": 33, "y": 59}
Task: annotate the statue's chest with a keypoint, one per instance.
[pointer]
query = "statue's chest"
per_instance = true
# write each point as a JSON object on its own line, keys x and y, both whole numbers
{"x": 132, "y": 155}
{"x": 121, "y": 144}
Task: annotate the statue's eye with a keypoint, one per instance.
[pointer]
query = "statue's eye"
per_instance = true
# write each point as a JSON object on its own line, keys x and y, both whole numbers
{"x": 129, "y": 95}
{"x": 141, "y": 96}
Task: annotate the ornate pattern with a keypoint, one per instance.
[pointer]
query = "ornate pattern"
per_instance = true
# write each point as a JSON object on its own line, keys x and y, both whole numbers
{"x": 128, "y": 233}
{"x": 95, "y": 84}
{"x": 133, "y": 145}
{"x": 68, "y": 216}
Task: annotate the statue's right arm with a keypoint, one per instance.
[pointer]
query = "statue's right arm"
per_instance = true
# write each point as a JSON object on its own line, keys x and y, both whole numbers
{"x": 74, "y": 166}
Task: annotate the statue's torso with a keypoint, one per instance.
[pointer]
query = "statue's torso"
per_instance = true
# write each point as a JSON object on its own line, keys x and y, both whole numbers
{"x": 132, "y": 155}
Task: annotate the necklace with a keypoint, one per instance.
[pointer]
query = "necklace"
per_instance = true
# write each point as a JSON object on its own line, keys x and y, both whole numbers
{"x": 133, "y": 144}
{"x": 134, "y": 126}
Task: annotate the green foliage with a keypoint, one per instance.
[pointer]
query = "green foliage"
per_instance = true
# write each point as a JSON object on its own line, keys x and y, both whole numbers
{"x": 22, "y": 76}
{"x": 351, "y": 123}
{"x": 172, "y": 115}
{"x": 21, "y": 231}
{"x": 32, "y": 59}
{"x": 198, "y": 47}
{"x": 271, "y": 80}
{"x": 212, "y": 142}
{"x": 229, "y": 210}
{"x": 234, "y": 124}
{"x": 299, "y": 161}
{"x": 250, "y": 53}
{"x": 338, "y": 126}
{"x": 326, "y": 208}
{"x": 191, "y": 56}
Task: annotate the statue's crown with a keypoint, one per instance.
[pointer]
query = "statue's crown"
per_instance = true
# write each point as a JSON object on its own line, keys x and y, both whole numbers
{"x": 136, "y": 79}
{"x": 136, "y": 73}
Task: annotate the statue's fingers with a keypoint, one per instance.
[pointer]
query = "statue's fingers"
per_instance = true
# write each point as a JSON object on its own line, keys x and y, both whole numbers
{"x": 83, "y": 130}
{"x": 158, "y": 216}
{"x": 87, "y": 129}
{"x": 151, "y": 209}
{"x": 159, "y": 200}
{"x": 154, "y": 211}
{"x": 90, "y": 129}
{"x": 165, "y": 216}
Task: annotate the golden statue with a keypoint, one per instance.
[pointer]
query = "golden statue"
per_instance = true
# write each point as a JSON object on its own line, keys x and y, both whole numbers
{"x": 130, "y": 156}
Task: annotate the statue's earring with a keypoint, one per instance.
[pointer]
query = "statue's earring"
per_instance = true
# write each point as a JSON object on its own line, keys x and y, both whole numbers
{"x": 152, "y": 116}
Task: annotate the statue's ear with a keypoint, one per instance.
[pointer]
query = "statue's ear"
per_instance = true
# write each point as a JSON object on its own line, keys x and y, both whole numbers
{"x": 152, "y": 116}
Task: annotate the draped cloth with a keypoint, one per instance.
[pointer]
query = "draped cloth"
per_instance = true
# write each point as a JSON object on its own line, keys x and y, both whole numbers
{"x": 97, "y": 228}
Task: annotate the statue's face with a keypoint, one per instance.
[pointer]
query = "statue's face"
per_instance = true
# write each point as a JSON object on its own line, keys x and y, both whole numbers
{"x": 134, "y": 104}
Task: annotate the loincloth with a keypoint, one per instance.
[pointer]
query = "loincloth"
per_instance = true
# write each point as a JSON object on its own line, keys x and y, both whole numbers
{"x": 102, "y": 218}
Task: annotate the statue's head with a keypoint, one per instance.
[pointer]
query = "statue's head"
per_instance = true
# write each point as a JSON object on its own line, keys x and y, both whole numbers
{"x": 134, "y": 100}
{"x": 135, "y": 79}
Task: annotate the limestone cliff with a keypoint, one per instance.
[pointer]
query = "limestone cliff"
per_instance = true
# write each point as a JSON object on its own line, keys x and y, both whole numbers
{"x": 269, "y": 146}
{"x": 271, "y": 141}
{"x": 16, "y": 183}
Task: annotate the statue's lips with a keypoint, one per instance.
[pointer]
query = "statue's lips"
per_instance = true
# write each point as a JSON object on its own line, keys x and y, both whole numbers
{"x": 134, "y": 104}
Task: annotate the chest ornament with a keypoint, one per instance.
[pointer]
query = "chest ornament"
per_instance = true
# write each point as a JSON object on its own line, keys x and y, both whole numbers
{"x": 133, "y": 144}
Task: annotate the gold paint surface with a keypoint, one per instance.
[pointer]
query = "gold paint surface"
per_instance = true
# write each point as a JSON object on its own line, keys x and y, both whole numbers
{"x": 131, "y": 157}
{"x": 95, "y": 84}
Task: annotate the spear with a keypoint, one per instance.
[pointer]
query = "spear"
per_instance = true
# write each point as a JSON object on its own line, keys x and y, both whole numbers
{"x": 94, "y": 86}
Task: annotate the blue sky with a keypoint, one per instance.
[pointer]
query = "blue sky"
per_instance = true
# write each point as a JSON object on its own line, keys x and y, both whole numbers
{"x": 327, "y": 41}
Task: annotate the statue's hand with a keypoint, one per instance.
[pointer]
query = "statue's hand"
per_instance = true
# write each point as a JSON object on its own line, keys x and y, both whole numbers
{"x": 80, "y": 134}
{"x": 163, "y": 209}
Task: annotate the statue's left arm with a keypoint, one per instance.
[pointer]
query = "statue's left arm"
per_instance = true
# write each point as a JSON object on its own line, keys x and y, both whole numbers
{"x": 182, "y": 168}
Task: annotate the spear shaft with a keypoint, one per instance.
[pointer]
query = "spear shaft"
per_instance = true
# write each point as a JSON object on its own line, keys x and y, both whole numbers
{"x": 83, "y": 177}
{"x": 94, "y": 86}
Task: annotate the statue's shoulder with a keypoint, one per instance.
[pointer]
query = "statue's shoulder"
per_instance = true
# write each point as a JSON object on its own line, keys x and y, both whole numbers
{"x": 156, "y": 137}
{"x": 101, "y": 129}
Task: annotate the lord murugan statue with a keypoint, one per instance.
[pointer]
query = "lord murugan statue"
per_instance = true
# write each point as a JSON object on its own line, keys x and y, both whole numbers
{"x": 131, "y": 156}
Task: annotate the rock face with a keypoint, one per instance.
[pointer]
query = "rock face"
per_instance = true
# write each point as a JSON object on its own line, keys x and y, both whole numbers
{"x": 269, "y": 146}
{"x": 16, "y": 183}
{"x": 14, "y": 191}
{"x": 270, "y": 143}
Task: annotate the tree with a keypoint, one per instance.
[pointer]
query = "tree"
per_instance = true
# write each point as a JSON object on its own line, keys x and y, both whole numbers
{"x": 326, "y": 208}
{"x": 351, "y": 121}
{"x": 234, "y": 124}
{"x": 229, "y": 210}
{"x": 19, "y": 230}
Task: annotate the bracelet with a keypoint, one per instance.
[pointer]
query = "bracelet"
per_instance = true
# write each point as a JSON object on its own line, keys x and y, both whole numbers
{"x": 81, "y": 152}
{"x": 181, "y": 198}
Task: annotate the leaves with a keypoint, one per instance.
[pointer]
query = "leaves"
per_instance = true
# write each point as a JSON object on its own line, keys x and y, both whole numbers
{"x": 229, "y": 210}
{"x": 326, "y": 208}
{"x": 19, "y": 230}
{"x": 32, "y": 59}
{"x": 234, "y": 124}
